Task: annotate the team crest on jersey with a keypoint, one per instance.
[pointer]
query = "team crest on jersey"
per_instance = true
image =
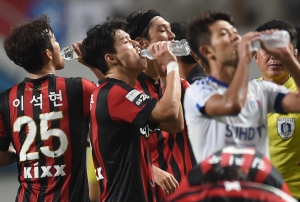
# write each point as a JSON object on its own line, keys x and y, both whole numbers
{"x": 286, "y": 127}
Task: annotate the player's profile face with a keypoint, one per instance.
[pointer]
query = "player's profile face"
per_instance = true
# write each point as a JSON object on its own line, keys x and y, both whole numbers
{"x": 224, "y": 40}
{"x": 57, "y": 59}
{"x": 160, "y": 30}
{"x": 128, "y": 51}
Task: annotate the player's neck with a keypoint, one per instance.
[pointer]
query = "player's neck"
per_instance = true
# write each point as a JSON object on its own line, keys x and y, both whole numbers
{"x": 224, "y": 74}
{"x": 151, "y": 71}
{"x": 278, "y": 80}
{"x": 127, "y": 77}
{"x": 185, "y": 69}
{"x": 43, "y": 72}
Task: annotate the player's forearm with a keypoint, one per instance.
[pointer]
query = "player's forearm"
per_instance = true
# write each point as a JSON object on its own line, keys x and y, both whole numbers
{"x": 172, "y": 94}
{"x": 7, "y": 158}
{"x": 237, "y": 91}
{"x": 174, "y": 127}
{"x": 293, "y": 67}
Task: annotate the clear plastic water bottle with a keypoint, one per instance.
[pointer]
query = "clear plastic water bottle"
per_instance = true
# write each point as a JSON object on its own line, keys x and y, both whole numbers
{"x": 178, "y": 48}
{"x": 277, "y": 39}
{"x": 68, "y": 53}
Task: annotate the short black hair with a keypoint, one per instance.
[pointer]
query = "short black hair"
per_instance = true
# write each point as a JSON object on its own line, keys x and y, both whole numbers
{"x": 26, "y": 43}
{"x": 180, "y": 30}
{"x": 280, "y": 25}
{"x": 198, "y": 33}
{"x": 137, "y": 26}
{"x": 100, "y": 41}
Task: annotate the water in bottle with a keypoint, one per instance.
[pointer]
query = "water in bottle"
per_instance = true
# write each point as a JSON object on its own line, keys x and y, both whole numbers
{"x": 277, "y": 39}
{"x": 178, "y": 48}
{"x": 68, "y": 53}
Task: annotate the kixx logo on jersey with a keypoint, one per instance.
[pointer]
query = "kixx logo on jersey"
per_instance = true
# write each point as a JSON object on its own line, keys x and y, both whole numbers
{"x": 44, "y": 171}
{"x": 286, "y": 127}
{"x": 137, "y": 97}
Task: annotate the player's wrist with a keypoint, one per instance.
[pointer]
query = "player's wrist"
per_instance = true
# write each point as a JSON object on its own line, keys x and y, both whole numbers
{"x": 172, "y": 66}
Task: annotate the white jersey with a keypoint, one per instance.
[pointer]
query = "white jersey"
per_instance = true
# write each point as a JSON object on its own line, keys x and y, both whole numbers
{"x": 249, "y": 128}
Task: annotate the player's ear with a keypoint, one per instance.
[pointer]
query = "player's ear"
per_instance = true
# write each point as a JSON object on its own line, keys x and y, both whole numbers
{"x": 48, "y": 54}
{"x": 111, "y": 59}
{"x": 296, "y": 53}
{"x": 206, "y": 51}
{"x": 142, "y": 42}
{"x": 255, "y": 57}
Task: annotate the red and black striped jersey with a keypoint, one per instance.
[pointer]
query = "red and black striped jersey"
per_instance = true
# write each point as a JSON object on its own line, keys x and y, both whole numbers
{"x": 254, "y": 165}
{"x": 47, "y": 121}
{"x": 170, "y": 152}
{"x": 233, "y": 191}
{"x": 120, "y": 142}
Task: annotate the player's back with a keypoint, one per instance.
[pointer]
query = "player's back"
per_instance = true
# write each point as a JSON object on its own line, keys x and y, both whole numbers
{"x": 47, "y": 121}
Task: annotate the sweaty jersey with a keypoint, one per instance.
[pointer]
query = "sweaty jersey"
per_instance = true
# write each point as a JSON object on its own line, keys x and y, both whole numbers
{"x": 254, "y": 166}
{"x": 120, "y": 142}
{"x": 284, "y": 138}
{"x": 46, "y": 120}
{"x": 170, "y": 152}
{"x": 248, "y": 128}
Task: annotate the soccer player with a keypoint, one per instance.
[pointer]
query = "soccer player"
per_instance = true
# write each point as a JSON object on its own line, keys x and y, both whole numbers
{"x": 239, "y": 191}
{"x": 227, "y": 108}
{"x": 229, "y": 164}
{"x": 45, "y": 117}
{"x": 170, "y": 149}
{"x": 121, "y": 116}
{"x": 283, "y": 129}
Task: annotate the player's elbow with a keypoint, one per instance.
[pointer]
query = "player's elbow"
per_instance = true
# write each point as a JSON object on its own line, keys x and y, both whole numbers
{"x": 234, "y": 108}
{"x": 178, "y": 127}
{"x": 170, "y": 115}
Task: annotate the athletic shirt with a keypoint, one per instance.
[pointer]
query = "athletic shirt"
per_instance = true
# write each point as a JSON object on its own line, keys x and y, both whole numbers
{"x": 284, "y": 138}
{"x": 119, "y": 135}
{"x": 47, "y": 121}
{"x": 255, "y": 166}
{"x": 248, "y": 128}
{"x": 170, "y": 152}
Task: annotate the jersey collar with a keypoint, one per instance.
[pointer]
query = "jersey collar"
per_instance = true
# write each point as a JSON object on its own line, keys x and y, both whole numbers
{"x": 218, "y": 82}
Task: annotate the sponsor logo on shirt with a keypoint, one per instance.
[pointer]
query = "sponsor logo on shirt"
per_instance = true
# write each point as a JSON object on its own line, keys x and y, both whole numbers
{"x": 37, "y": 171}
{"x": 286, "y": 127}
{"x": 98, "y": 173}
{"x": 244, "y": 136}
{"x": 137, "y": 98}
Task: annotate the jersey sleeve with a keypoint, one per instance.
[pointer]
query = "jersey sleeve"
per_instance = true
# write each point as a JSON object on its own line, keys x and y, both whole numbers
{"x": 88, "y": 88}
{"x": 130, "y": 105}
{"x": 274, "y": 93}
{"x": 199, "y": 93}
{"x": 185, "y": 83}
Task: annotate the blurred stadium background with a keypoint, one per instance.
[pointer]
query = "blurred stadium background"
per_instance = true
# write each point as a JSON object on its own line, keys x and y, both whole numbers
{"x": 70, "y": 20}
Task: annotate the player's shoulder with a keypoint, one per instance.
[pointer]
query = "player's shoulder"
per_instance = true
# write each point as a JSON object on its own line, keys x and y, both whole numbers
{"x": 207, "y": 83}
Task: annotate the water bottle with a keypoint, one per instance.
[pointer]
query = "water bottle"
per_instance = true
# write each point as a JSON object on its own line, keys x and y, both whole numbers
{"x": 178, "y": 48}
{"x": 277, "y": 39}
{"x": 68, "y": 53}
